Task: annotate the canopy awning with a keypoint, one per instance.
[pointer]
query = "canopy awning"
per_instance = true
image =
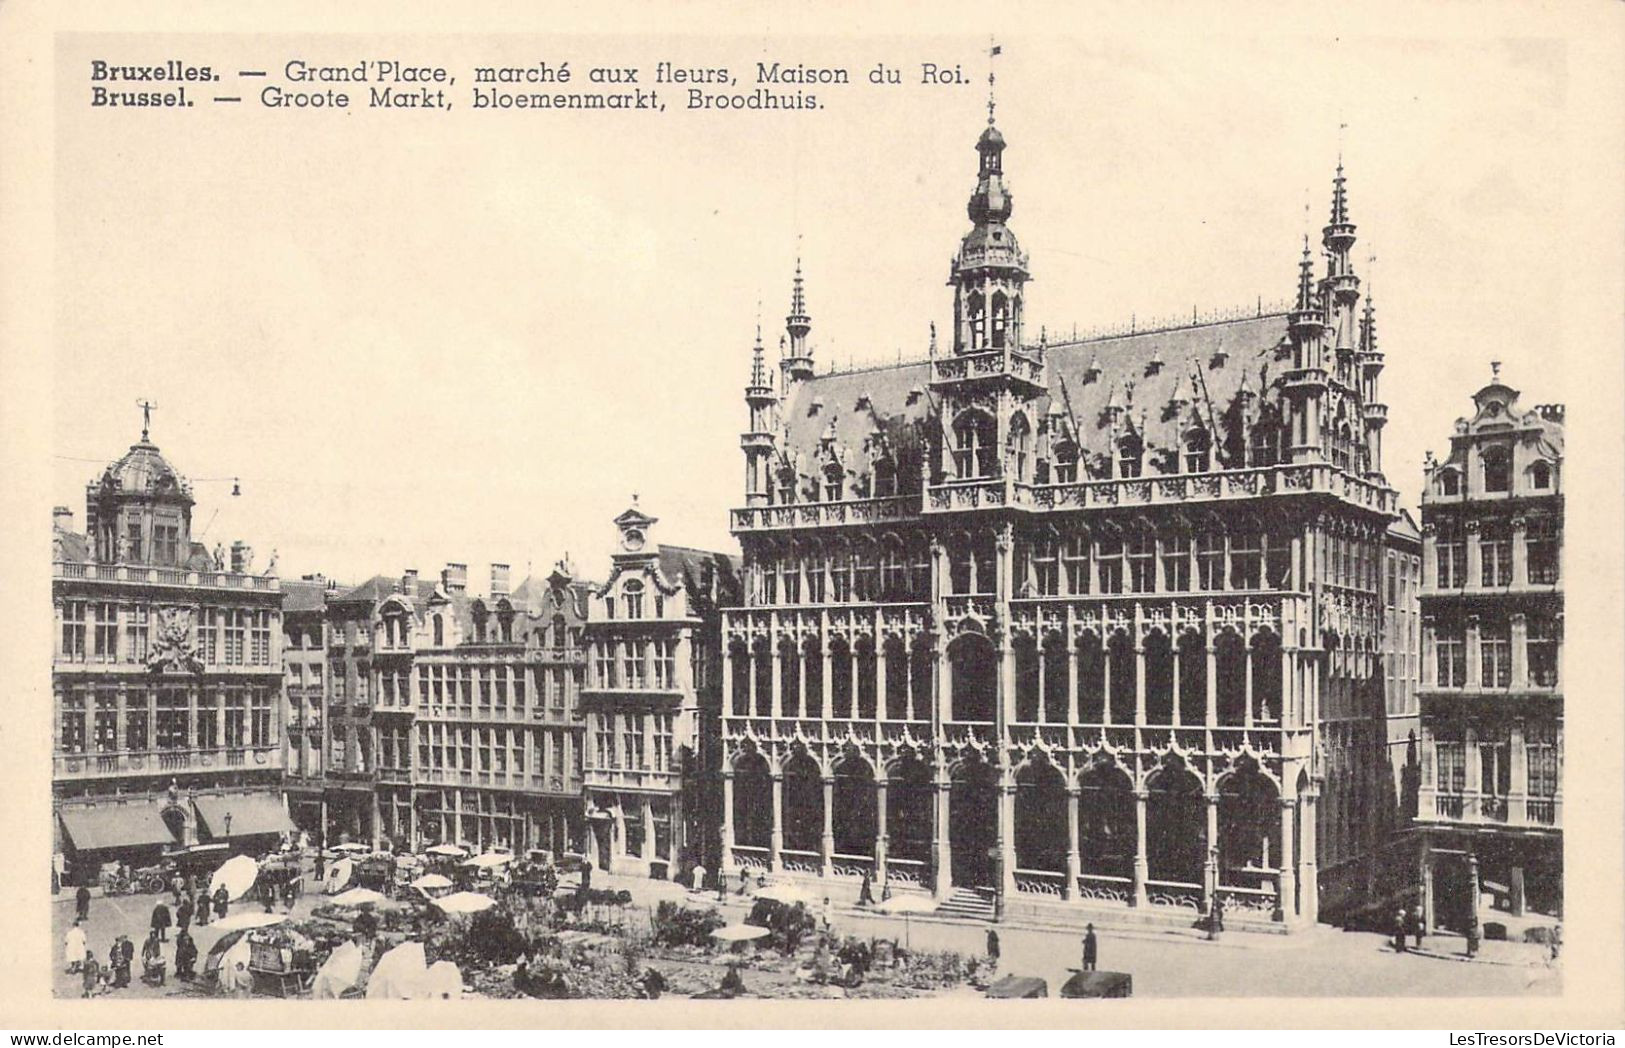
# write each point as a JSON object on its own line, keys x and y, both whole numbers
{"x": 251, "y": 814}
{"x": 134, "y": 825}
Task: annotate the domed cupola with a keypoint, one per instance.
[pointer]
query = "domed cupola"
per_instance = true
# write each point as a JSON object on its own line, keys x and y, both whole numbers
{"x": 139, "y": 511}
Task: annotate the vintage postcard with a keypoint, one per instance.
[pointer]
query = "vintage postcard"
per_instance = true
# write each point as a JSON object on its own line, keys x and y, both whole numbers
{"x": 784, "y": 520}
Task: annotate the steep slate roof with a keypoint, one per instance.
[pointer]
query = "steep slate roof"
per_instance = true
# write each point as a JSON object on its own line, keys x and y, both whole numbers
{"x": 69, "y": 546}
{"x": 687, "y": 566}
{"x": 299, "y": 595}
{"x": 1138, "y": 372}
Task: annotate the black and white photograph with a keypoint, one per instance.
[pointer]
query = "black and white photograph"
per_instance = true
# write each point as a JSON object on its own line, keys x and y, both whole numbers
{"x": 786, "y": 514}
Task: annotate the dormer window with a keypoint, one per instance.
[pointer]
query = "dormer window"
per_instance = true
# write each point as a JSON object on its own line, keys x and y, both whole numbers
{"x": 787, "y": 487}
{"x": 832, "y": 484}
{"x": 1449, "y": 483}
{"x": 1540, "y": 476}
{"x": 885, "y": 478}
{"x": 1066, "y": 463}
{"x": 1198, "y": 451}
{"x": 1129, "y": 454}
{"x": 632, "y": 596}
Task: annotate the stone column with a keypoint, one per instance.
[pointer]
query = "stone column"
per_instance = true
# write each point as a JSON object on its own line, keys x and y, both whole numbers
{"x": 1519, "y": 643}
{"x": 1475, "y": 556}
{"x": 776, "y": 677}
{"x": 776, "y": 839}
{"x": 750, "y": 681}
{"x": 1286, "y": 893}
{"x": 1142, "y": 868}
{"x": 727, "y": 858}
{"x": 942, "y": 846}
{"x": 823, "y": 676}
{"x": 1309, "y": 890}
{"x": 1210, "y": 867}
{"x": 1517, "y": 792}
{"x": 1474, "y": 677}
{"x": 1520, "y": 551}
{"x": 1007, "y": 837}
{"x": 882, "y": 836}
{"x": 827, "y": 841}
{"x": 1249, "y": 712}
{"x": 727, "y": 681}
{"x": 1212, "y": 712}
{"x": 1074, "y": 863}
{"x": 880, "y": 670}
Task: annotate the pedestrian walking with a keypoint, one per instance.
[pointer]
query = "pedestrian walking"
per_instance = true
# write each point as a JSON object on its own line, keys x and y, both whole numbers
{"x": 1091, "y": 948}
{"x": 993, "y": 946}
{"x": 268, "y": 895}
{"x": 91, "y": 974}
{"x": 866, "y": 895}
{"x": 183, "y": 914}
{"x": 290, "y": 891}
{"x": 200, "y": 910}
{"x": 176, "y": 885}
{"x": 1399, "y": 931}
{"x": 1418, "y": 925}
{"x": 1217, "y": 917}
{"x": 189, "y": 886}
{"x": 161, "y": 922}
{"x": 185, "y": 956}
{"x": 744, "y": 880}
{"x": 152, "y": 961}
{"x": 222, "y": 901}
{"x": 74, "y": 946}
{"x": 81, "y": 899}
{"x": 119, "y": 959}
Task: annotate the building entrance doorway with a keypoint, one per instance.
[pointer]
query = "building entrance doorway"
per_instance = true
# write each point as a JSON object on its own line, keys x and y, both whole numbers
{"x": 973, "y": 821}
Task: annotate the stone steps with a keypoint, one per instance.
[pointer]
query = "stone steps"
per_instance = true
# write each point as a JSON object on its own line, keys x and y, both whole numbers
{"x": 968, "y": 903}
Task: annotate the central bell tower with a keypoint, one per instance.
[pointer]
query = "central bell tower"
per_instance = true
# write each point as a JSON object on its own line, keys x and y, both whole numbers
{"x": 990, "y": 270}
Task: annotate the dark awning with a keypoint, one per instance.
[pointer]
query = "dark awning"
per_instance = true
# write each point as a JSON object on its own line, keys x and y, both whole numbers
{"x": 133, "y": 825}
{"x": 252, "y": 814}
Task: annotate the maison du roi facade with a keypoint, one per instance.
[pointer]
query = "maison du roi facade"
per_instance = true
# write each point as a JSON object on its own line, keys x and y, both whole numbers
{"x": 166, "y": 678}
{"x": 1491, "y": 808}
{"x": 1041, "y": 626}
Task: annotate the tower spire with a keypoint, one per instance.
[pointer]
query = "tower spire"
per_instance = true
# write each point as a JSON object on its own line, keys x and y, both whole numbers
{"x": 797, "y": 363}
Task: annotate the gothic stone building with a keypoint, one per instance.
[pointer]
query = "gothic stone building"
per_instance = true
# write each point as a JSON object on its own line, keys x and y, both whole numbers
{"x": 1048, "y": 626}
{"x": 1492, "y": 687}
{"x": 166, "y": 678}
{"x": 653, "y": 702}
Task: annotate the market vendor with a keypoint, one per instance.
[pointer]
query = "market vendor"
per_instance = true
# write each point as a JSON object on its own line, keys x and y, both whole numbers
{"x": 185, "y": 955}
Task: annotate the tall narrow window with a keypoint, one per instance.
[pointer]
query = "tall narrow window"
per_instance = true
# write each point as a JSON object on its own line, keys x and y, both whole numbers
{"x": 73, "y": 632}
{"x": 1142, "y": 554}
{"x": 1495, "y": 551}
{"x": 1176, "y": 560}
{"x": 1246, "y": 559}
{"x": 1198, "y": 451}
{"x": 974, "y": 446}
{"x": 834, "y": 483}
{"x": 1210, "y": 560}
{"x": 1541, "y": 543}
{"x": 1111, "y": 562}
{"x": 632, "y": 596}
{"x": 1452, "y": 660}
{"x": 1075, "y": 555}
{"x": 1495, "y": 654}
{"x": 1045, "y": 566}
{"x": 1066, "y": 463}
{"x": 1451, "y": 554}
{"x": 1542, "y": 651}
{"x": 1497, "y": 462}
{"x": 1129, "y": 455}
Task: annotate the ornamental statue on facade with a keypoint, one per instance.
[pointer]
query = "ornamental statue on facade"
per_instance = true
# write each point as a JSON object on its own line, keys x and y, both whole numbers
{"x": 172, "y": 646}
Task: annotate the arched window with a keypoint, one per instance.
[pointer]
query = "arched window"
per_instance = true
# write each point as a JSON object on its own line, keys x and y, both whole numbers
{"x": 977, "y": 308}
{"x": 1540, "y": 476}
{"x": 854, "y": 811}
{"x": 971, "y": 662}
{"x": 1449, "y": 482}
{"x": 1497, "y": 469}
{"x": 1001, "y": 318}
{"x": 974, "y": 445}
{"x": 1040, "y": 818}
{"x": 1198, "y": 450}
{"x": 1019, "y": 448}
{"x": 560, "y": 636}
{"x": 632, "y": 596}
{"x": 439, "y": 631}
{"x": 1130, "y": 451}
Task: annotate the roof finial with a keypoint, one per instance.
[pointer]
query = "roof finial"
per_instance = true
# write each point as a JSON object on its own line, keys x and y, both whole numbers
{"x": 146, "y": 407}
{"x": 1495, "y": 371}
{"x": 993, "y": 50}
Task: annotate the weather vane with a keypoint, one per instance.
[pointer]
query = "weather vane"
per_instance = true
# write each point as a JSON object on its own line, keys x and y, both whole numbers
{"x": 993, "y": 51}
{"x": 146, "y": 407}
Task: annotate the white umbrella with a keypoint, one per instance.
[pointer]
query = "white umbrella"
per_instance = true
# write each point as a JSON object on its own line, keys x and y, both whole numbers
{"x": 489, "y": 860}
{"x": 237, "y": 875}
{"x": 398, "y": 973}
{"x": 465, "y": 902}
{"x": 906, "y": 904}
{"x": 443, "y": 980}
{"x": 447, "y": 849}
{"x": 341, "y": 971}
{"x": 431, "y": 881}
{"x": 234, "y": 974}
{"x": 338, "y": 875}
{"x": 786, "y": 893}
{"x": 739, "y": 933}
{"x": 359, "y": 897}
{"x": 249, "y": 919}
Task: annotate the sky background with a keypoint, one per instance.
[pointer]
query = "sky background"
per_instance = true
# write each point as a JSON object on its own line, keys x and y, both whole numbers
{"x": 466, "y": 336}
